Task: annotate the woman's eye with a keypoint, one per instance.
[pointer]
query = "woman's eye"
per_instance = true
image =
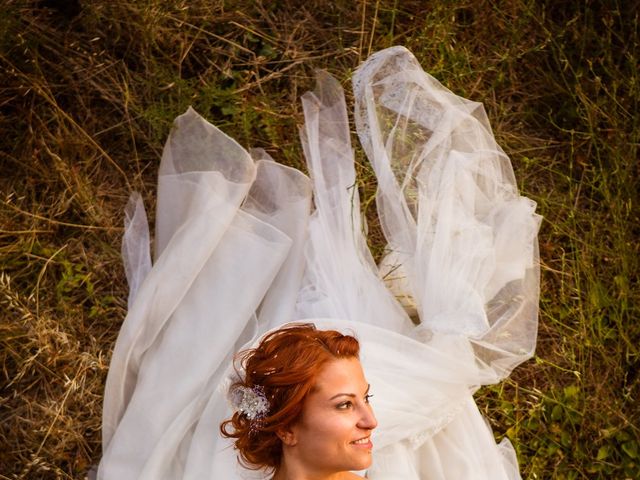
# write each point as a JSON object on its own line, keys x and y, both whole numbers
{"x": 367, "y": 397}
{"x": 344, "y": 405}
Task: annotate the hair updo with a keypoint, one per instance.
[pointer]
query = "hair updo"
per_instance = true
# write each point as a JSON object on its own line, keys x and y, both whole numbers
{"x": 284, "y": 367}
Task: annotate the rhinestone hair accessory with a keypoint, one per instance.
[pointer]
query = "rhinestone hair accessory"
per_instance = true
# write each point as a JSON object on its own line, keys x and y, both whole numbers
{"x": 251, "y": 402}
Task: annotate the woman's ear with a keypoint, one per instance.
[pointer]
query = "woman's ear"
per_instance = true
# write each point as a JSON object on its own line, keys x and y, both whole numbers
{"x": 287, "y": 436}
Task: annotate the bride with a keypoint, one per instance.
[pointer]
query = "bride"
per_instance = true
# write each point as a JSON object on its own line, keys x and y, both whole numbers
{"x": 302, "y": 406}
{"x": 238, "y": 253}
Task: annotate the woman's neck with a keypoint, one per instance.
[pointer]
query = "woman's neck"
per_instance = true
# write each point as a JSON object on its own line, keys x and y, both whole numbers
{"x": 284, "y": 473}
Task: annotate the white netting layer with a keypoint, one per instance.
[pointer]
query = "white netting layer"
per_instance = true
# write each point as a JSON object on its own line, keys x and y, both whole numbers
{"x": 453, "y": 305}
{"x": 462, "y": 241}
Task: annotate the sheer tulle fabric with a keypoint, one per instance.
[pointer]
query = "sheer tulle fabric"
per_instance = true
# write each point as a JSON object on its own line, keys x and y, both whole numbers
{"x": 452, "y": 306}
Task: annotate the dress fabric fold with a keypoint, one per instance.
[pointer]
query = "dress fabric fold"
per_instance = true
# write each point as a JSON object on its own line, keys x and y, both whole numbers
{"x": 239, "y": 251}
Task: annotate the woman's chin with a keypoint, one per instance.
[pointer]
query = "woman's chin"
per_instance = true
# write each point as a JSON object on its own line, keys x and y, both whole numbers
{"x": 362, "y": 463}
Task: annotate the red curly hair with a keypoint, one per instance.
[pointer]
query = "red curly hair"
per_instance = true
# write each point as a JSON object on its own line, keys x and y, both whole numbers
{"x": 284, "y": 365}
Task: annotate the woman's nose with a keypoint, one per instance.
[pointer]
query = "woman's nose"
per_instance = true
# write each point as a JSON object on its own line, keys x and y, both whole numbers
{"x": 368, "y": 420}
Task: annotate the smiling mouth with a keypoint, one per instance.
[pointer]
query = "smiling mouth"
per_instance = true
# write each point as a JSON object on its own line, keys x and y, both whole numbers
{"x": 362, "y": 441}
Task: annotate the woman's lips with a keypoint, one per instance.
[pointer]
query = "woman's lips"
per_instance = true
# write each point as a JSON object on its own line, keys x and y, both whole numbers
{"x": 364, "y": 442}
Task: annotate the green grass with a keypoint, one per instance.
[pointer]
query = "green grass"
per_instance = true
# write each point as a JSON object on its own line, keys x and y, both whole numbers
{"x": 87, "y": 99}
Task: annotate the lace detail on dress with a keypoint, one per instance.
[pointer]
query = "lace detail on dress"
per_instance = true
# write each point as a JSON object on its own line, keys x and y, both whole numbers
{"x": 418, "y": 439}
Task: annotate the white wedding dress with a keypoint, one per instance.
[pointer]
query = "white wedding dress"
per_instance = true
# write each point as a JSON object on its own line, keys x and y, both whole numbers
{"x": 238, "y": 251}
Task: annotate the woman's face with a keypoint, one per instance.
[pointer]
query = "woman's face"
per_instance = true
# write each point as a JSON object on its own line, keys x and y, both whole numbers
{"x": 334, "y": 432}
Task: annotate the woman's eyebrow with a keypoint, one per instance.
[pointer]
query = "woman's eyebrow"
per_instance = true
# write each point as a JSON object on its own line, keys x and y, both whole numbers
{"x": 352, "y": 395}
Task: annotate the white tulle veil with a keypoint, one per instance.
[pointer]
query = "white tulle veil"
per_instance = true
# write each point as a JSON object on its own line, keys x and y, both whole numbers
{"x": 452, "y": 305}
